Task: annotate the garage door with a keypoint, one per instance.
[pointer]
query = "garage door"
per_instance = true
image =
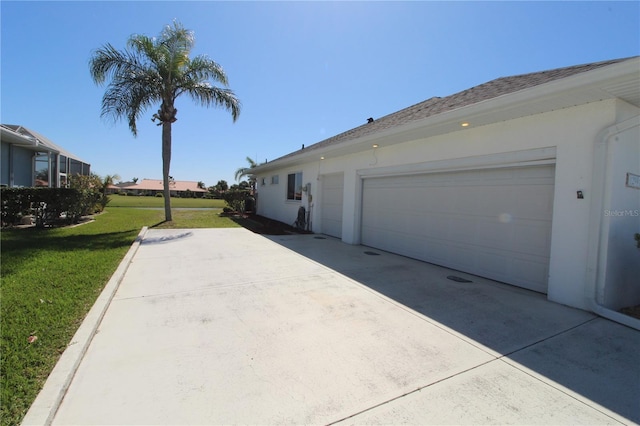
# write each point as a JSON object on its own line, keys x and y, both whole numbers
{"x": 331, "y": 208}
{"x": 495, "y": 223}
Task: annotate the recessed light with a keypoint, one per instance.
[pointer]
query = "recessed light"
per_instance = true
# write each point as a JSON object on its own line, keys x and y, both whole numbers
{"x": 375, "y": 145}
{"x": 465, "y": 124}
{"x": 322, "y": 158}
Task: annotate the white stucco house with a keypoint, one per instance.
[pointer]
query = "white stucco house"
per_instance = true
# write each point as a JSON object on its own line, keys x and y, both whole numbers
{"x": 532, "y": 180}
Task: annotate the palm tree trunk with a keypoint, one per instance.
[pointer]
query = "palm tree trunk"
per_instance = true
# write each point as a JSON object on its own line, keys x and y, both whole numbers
{"x": 166, "y": 162}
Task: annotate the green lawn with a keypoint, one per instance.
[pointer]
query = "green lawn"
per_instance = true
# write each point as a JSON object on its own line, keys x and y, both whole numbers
{"x": 50, "y": 280}
{"x": 143, "y": 201}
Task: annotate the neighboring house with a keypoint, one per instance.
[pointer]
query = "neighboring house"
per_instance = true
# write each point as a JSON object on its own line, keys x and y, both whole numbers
{"x": 112, "y": 189}
{"x": 29, "y": 159}
{"x": 177, "y": 188}
{"x": 532, "y": 180}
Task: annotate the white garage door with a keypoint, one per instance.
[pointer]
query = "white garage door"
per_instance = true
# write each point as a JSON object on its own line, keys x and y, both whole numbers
{"x": 495, "y": 223}
{"x": 331, "y": 209}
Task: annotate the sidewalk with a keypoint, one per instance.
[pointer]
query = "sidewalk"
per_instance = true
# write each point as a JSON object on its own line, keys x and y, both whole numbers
{"x": 223, "y": 326}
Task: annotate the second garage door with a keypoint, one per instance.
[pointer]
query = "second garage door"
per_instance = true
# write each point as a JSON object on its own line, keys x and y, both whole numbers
{"x": 495, "y": 223}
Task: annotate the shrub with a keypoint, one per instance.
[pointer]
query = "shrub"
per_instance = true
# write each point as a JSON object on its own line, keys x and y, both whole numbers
{"x": 54, "y": 205}
{"x": 92, "y": 199}
{"x": 159, "y": 194}
{"x": 46, "y": 204}
{"x": 16, "y": 203}
{"x": 235, "y": 199}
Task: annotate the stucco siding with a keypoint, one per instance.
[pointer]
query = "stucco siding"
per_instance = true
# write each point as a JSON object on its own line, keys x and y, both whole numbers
{"x": 570, "y": 132}
{"x": 621, "y": 220}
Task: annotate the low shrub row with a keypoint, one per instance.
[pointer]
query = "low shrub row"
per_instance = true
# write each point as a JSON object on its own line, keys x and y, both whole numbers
{"x": 51, "y": 206}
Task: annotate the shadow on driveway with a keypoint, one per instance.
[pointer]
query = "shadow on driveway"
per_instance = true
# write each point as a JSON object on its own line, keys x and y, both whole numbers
{"x": 589, "y": 355}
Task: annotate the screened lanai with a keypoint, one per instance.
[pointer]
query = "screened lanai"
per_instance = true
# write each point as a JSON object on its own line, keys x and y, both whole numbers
{"x": 29, "y": 159}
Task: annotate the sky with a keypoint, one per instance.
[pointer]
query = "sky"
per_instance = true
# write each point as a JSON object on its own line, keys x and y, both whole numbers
{"x": 304, "y": 71}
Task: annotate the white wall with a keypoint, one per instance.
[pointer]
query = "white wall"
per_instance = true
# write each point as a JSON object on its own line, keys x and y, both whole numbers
{"x": 272, "y": 198}
{"x": 621, "y": 220}
{"x": 571, "y": 131}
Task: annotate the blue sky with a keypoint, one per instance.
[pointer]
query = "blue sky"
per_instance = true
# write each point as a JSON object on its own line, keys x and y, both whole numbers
{"x": 303, "y": 71}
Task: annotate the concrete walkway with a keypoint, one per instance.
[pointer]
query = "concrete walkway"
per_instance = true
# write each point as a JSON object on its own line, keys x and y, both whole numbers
{"x": 223, "y": 326}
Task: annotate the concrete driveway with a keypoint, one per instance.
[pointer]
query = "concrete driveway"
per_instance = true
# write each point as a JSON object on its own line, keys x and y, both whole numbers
{"x": 223, "y": 326}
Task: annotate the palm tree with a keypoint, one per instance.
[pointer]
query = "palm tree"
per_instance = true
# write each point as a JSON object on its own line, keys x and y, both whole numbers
{"x": 107, "y": 181}
{"x": 155, "y": 71}
{"x": 247, "y": 171}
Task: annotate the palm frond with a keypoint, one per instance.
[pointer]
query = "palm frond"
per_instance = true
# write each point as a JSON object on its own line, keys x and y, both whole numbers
{"x": 158, "y": 70}
{"x": 207, "y": 95}
{"x": 202, "y": 68}
{"x": 129, "y": 95}
{"x": 107, "y": 62}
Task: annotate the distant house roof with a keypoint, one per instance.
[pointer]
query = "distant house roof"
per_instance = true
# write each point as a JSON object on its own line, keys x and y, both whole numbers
{"x": 156, "y": 185}
{"x": 20, "y": 135}
{"x": 494, "y": 89}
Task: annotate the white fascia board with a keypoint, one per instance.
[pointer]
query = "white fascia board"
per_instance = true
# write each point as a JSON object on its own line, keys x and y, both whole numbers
{"x": 15, "y": 138}
{"x": 30, "y": 142}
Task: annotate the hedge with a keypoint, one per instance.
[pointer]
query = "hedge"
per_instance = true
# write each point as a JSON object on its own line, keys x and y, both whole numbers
{"x": 49, "y": 205}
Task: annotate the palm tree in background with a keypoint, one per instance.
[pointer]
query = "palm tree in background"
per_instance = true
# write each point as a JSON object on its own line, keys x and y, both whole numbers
{"x": 107, "y": 181}
{"x": 155, "y": 71}
{"x": 247, "y": 171}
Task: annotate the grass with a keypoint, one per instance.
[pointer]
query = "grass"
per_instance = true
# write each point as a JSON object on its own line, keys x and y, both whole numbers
{"x": 50, "y": 280}
{"x": 143, "y": 201}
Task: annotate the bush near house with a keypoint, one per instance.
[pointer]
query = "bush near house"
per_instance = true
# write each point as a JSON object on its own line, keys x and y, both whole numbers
{"x": 48, "y": 206}
{"x": 52, "y": 206}
{"x": 235, "y": 199}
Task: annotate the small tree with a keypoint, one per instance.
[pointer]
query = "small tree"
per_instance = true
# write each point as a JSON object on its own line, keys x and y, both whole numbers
{"x": 107, "y": 181}
{"x": 90, "y": 191}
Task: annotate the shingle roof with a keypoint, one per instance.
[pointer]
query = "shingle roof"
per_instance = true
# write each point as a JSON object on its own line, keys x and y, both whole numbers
{"x": 436, "y": 105}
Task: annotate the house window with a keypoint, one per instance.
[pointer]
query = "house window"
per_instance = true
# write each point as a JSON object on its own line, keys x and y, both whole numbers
{"x": 263, "y": 181}
{"x": 275, "y": 179}
{"x": 75, "y": 168}
{"x": 63, "y": 164}
{"x": 294, "y": 186}
{"x": 41, "y": 169}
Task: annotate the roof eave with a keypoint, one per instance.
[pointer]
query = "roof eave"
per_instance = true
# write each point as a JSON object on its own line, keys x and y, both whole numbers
{"x": 574, "y": 90}
{"x": 15, "y": 138}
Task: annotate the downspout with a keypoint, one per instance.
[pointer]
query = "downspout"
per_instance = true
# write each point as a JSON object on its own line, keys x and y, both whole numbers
{"x": 598, "y": 235}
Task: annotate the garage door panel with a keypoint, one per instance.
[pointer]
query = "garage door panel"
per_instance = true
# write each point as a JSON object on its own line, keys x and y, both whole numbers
{"x": 532, "y": 237}
{"x": 495, "y": 223}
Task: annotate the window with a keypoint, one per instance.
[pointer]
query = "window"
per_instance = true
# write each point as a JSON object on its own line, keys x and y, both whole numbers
{"x": 294, "y": 186}
{"x": 41, "y": 169}
{"x": 75, "y": 168}
{"x": 274, "y": 179}
{"x": 63, "y": 164}
{"x": 263, "y": 181}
